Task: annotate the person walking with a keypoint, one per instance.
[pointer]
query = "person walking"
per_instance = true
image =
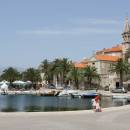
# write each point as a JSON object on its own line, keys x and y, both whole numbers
{"x": 97, "y": 104}
{"x": 94, "y": 104}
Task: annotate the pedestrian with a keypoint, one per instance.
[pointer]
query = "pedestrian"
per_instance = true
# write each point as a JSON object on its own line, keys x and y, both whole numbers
{"x": 98, "y": 107}
{"x": 94, "y": 104}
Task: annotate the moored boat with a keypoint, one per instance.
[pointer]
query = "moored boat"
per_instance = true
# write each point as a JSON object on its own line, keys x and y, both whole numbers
{"x": 67, "y": 92}
{"x": 89, "y": 94}
{"x": 121, "y": 97}
{"x": 76, "y": 95}
{"x": 128, "y": 100}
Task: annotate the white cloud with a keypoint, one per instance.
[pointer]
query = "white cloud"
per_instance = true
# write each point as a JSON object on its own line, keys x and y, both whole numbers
{"x": 78, "y": 27}
{"x": 70, "y": 31}
{"x": 94, "y": 21}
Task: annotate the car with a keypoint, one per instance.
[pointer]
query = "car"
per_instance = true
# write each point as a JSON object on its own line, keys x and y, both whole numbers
{"x": 106, "y": 88}
{"x": 119, "y": 90}
{"x": 51, "y": 86}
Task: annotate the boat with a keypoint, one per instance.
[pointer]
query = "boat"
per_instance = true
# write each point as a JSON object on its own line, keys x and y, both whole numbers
{"x": 121, "y": 97}
{"x": 128, "y": 100}
{"x": 89, "y": 94}
{"x": 76, "y": 95}
{"x": 48, "y": 93}
{"x": 67, "y": 92}
{"x": 4, "y": 93}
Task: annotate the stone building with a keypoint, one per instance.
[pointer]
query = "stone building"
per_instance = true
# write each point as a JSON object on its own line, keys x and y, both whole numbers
{"x": 103, "y": 59}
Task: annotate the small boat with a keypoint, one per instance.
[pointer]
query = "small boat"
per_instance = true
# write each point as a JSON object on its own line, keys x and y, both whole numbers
{"x": 57, "y": 93}
{"x": 4, "y": 93}
{"x": 76, "y": 95}
{"x": 128, "y": 100}
{"x": 48, "y": 93}
{"x": 120, "y": 96}
{"x": 67, "y": 92}
{"x": 89, "y": 95}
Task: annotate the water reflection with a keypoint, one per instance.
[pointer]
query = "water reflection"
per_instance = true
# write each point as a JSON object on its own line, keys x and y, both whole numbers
{"x": 120, "y": 102}
{"x": 38, "y": 108}
{"x": 31, "y": 103}
{"x": 9, "y": 109}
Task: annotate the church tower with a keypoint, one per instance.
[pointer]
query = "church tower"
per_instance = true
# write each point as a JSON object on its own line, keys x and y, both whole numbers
{"x": 126, "y": 37}
{"x": 126, "y": 33}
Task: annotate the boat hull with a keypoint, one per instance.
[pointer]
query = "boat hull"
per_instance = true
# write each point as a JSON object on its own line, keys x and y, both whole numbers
{"x": 89, "y": 95}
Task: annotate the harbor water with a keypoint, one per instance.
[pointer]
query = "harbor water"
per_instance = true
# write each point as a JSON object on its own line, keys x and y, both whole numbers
{"x": 33, "y": 103}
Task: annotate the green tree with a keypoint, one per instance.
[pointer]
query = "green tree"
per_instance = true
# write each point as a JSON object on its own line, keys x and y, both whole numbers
{"x": 46, "y": 68}
{"x": 63, "y": 67}
{"x": 10, "y": 74}
{"x": 121, "y": 67}
{"x": 75, "y": 76}
{"x": 32, "y": 75}
{"x": 56, "y": 70}
{"x": 90, "y": 74}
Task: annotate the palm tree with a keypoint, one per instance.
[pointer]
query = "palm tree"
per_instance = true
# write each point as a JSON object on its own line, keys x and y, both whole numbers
{"x": 56, "y": 70}
{"x": 121, "y": 67}
{"x": 90, "y": 74}
{"x": 32, "y": 75}
{"x": 75, "y": 76}
{"x": 64, "y": 68}
{"x": 60, "y": 69}
{"x": 45, "y": 68}
{"x": 10, "y": 74}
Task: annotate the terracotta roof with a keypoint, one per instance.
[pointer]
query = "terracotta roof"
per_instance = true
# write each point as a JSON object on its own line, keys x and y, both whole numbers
{"x": 114, "y": 49}
{"x": 117, "y": 48}
{"x": 107, "y": 57}
{"x": 84, "y": 61}
{"x": 80, "y": 65}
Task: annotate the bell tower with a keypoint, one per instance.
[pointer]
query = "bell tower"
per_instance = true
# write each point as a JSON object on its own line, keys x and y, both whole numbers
{"x": 126, "y": 33}
{"x": 126, "y": 37}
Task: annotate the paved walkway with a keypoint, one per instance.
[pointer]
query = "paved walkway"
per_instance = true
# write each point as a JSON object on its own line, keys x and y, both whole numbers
{"x": 109, "y": 119}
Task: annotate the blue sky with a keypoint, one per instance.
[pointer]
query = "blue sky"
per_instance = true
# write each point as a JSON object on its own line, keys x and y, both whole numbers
{"x": 33, "y": 30}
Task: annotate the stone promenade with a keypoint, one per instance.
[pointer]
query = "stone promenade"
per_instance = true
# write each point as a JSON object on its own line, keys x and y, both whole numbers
{"x": 117, "y": 118}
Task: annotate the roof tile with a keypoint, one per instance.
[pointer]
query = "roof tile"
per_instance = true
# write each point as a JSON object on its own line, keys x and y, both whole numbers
{"x": 107, "y": 58}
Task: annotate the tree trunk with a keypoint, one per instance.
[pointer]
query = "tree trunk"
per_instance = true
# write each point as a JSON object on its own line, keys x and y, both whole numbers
{"x": 121, "y": 79}
{"x": 77, "y": 84}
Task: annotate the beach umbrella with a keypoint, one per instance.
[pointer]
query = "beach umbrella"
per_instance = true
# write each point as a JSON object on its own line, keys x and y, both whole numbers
{"x": 19, "y": 83}
{"x": 28, "y": 82}
{"x": 4, "y": 86}
{"x": 4, "y": 81}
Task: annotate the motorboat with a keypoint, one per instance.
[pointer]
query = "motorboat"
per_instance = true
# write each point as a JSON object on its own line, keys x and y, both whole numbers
{"x": 89, "y": 94}
{"x": 76, "y": 95}
{"x": 121, "y": 97}
{"x": 67, "y": 92}
{"x": 85, "y": 94}
{"x": 128, "y": 100}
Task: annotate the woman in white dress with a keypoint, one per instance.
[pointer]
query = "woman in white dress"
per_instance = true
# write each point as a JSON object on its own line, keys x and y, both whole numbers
{"x": 94, "y": 104}
{"x": 98, "y": 108}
